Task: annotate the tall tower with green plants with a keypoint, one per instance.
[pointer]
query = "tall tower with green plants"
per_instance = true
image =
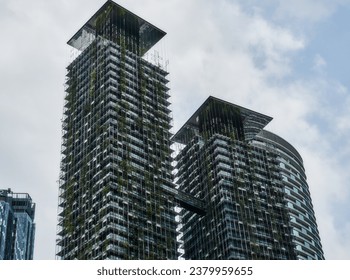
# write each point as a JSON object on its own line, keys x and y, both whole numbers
{"x": 116, "y": 156}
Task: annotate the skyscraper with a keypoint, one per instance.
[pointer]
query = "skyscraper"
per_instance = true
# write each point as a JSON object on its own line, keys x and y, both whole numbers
{"x": 116, "y": 173}
{"x": 17, "y": 227}
{"x": 253, "y": 184}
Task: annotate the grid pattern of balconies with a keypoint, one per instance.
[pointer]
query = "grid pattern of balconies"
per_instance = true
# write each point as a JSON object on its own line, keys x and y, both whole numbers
{"x": 253, "y": 185}
{"x": 116, "y": 161}
{"x": 245, "y": 212}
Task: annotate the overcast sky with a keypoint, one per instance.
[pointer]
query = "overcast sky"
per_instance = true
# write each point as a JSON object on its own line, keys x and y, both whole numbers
{"x": 287, "y": 59}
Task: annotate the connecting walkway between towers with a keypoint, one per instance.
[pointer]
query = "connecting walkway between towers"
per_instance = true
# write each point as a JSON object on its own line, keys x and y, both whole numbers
{"x": 187, "y": 201}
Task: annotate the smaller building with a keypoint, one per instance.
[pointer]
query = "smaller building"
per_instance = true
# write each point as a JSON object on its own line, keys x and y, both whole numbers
{"x": 17, "y": 227}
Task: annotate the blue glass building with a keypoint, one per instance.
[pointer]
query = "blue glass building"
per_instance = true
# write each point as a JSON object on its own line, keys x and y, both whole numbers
{"x": 17, "y": 227}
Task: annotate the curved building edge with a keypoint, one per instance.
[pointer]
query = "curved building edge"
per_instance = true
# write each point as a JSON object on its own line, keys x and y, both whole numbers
{"x": 297, "y": 195}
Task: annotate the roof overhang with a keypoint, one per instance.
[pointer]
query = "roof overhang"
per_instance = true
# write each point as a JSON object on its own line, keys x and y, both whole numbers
{"x": 149, "y": 34}
{"x": 253, "y": 122}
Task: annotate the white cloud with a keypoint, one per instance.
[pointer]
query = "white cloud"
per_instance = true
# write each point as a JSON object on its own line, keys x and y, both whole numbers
{"x": 310, "y": 10}
{"x": 306, "y": 11}
{"x": 319, "y": 63}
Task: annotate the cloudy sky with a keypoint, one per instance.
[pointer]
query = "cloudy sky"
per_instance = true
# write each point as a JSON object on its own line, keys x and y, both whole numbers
{"x": 287, "y": 59}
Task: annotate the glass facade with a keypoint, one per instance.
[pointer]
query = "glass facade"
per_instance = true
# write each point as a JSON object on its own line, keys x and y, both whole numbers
{"x": 24, "y": 240}
{"x": 17, "y": 227}
{"x": 116, "y": 172}
{"x": 302, "y": 218}
{"x": 6, "y": 230}
{"x": 253, "y": 185}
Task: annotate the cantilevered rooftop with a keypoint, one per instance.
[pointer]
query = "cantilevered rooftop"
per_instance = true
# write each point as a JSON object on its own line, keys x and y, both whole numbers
{"x": 123, "y": 21}
{"x": 243, "y": 122}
